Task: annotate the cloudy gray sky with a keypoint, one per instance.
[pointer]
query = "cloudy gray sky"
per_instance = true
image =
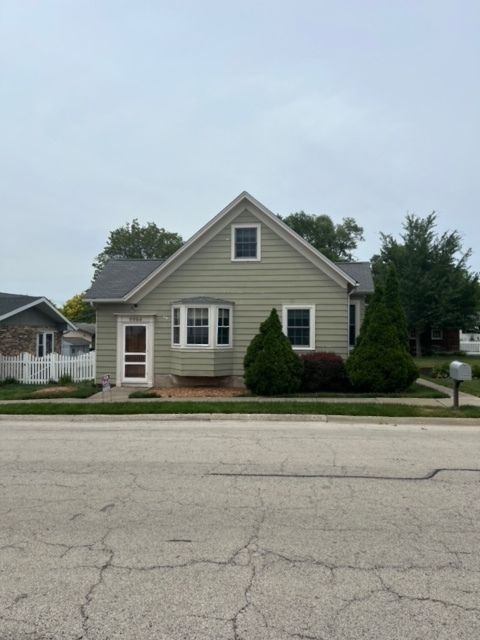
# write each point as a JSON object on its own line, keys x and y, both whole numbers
{"x": 165, "y": 111}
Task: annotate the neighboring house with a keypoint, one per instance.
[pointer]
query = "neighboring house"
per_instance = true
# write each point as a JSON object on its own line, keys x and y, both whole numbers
{"x": 79, "y": 340}
{"x": 436, "y": 341}
{"x": 191, "y": 317}
{"x": 30, "y": 324}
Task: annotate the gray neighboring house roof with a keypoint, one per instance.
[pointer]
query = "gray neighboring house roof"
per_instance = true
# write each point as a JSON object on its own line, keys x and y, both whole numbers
{"x": 361, "y": 272}
{"x": 118, "y": 277}
{"x": 13, "y": 303}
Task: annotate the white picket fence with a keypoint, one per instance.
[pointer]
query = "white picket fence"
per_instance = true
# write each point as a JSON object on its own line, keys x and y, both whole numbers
{"x": 31, "y": 370}
{"x": 471, "y": 348}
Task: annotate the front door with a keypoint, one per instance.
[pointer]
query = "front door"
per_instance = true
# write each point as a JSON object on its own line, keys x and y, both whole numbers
{"x": 136, "y": 353}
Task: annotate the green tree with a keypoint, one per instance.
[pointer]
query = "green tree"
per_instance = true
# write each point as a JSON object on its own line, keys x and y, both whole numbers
{"x": 135, "y": 241}
{"x": 380, "y": 361}
{"x": 271, "y": 366}
{"x": 77, "y": 310}
{"x": 336, "y": 241}
{"x": 437, "y": 289}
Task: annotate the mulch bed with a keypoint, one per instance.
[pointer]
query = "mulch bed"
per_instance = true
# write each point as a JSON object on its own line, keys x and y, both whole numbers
{"x": 52, "y": 391}
{"x": 199, "y": 392}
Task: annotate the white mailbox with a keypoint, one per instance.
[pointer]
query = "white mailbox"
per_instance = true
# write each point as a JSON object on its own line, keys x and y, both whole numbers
{"x": 460, "y": 371}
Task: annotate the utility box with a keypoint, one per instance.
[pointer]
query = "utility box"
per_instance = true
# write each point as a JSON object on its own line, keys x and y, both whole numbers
{"x": 460, "y": 371}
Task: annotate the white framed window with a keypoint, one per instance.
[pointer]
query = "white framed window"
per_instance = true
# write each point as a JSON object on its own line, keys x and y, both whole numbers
{"x": 45, "y": 343}
{"x": 204, "y": 326}
{"x": 299, "y": 326}
{"x": 246, "y": 242}
{"x": 437, "y": 334}
{"x": 224, "y": 336}
{"x": 198, "y": 326}
{"x": 176, "y": 325}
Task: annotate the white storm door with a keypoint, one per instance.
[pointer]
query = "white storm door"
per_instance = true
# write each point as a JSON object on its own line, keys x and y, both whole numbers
{"x": 136, "y": 353}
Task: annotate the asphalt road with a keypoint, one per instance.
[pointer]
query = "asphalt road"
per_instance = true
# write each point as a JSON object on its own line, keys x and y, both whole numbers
{"x": 240, "y": 531}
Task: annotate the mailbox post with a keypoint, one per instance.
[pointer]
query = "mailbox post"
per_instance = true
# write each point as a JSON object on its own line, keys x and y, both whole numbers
{"x": 459, "y": 371}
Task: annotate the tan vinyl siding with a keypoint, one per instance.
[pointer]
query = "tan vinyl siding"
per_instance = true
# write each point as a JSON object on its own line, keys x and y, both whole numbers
{"x": 282, "y": 277}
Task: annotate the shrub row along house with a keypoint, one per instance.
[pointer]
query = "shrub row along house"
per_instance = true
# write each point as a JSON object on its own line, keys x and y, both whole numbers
{"x": 189, "y": 319}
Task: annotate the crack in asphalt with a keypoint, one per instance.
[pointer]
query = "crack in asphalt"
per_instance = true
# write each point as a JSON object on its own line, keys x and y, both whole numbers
{"x": 334, "y": 476}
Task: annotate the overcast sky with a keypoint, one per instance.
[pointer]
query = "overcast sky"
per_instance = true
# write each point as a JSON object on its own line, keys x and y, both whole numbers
{"x": 165, "y": 111}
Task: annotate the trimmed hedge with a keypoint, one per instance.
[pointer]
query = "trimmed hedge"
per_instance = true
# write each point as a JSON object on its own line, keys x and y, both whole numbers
{"x": 323, "y": 371}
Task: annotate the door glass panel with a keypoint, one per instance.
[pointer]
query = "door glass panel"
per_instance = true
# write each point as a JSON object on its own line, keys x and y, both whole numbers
{"x": 135, "y": 371}
{"x": 135, "y": 339}
{"x": 135, "y": 352}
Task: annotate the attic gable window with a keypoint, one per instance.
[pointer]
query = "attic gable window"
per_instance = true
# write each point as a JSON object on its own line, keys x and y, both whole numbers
{"x": 245, "y": 242}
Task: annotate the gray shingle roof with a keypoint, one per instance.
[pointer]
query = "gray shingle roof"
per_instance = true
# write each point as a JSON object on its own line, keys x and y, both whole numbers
{"x": 11, "y": 301}
{"x": 362, "y": 273}
{"x": 118, "y": 277}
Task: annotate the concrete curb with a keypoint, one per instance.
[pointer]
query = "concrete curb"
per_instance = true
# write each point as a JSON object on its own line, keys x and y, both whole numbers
{"x": 241, "y": 417}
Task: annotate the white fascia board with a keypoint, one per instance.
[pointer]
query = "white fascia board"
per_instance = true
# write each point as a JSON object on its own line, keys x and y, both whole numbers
{"x": 34, "y": 304}
{"x": 202, "y": 236}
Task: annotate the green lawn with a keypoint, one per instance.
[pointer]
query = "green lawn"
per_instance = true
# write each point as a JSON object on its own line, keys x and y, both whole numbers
{"x": 428, "y": 362}
{"x": 470, "y": 386}
{"x": 46, "y": 391}
{"x": 299, "y": 408}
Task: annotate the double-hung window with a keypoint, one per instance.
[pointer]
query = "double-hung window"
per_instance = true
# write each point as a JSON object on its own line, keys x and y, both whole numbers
{"x": 223, "y": 327}
{"x": 44, "y": 344}
{"x": 197, "y": 326}
{"x": 245, "y": 242}
{"x": 299, "y": 326}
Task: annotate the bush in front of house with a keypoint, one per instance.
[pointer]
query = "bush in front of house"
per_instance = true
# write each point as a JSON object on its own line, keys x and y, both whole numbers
{"x": 441, "y": 370}
{"x": 380, "y": 362}
{"x": 323, "y": 371}
{"x": 475, "y": 370}
{"x": 271, "y": 366}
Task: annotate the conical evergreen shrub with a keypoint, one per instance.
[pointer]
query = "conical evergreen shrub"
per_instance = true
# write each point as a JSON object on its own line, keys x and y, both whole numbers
{"x": 271, "y": 366}
{"x": 380, "y": 362}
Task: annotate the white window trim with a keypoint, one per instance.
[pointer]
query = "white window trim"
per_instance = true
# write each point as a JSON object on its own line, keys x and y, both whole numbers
{"x": 45, "y": 334}
{"x": 311, "y": 308}
{"x": 212, "y": 327}
{"x": 247, "y": 225}
{"x": 439, "y": 337}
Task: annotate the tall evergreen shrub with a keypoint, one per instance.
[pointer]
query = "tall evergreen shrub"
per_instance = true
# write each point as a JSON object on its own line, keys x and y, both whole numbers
{"x": 380, "y": 362}
{"x": 271, "y": 366}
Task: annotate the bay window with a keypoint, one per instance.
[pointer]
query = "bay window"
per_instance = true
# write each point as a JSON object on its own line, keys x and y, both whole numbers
{"x": 208, "y": 325}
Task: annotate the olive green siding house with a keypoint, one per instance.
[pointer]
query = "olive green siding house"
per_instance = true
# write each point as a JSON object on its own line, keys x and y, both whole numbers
{"x": 191, "y": 317}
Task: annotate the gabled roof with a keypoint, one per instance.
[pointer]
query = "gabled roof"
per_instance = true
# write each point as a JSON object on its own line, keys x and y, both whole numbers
{"x": 11, "y": 304}
{"x": 361, "y": 272}
{"x": 119, "y": 277}
{"x": 109, "y": 289}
